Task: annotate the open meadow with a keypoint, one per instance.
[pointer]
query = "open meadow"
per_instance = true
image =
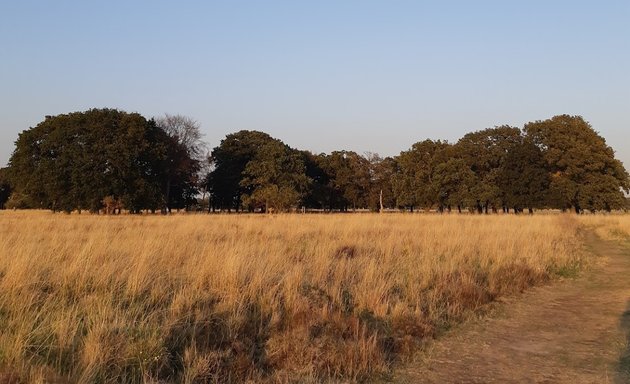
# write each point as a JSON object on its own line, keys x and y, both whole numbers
{"x": 285, "y": 298}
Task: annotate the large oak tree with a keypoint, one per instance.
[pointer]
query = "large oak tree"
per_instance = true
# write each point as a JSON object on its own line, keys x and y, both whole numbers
{"x": 584, "y": 171}
{"x": 73, "y": 161}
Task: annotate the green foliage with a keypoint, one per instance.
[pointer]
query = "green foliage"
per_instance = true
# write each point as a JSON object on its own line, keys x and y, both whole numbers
{"x": 452, "y": 182}
{"x": 584, "y": 171}
{"x": 413, "y": 182}
{"x": 321, "y": 192}
{"x": 523, "y": 177}
{"x": 185, "y": 156}
{"x": 5, "y": 188}
{"x": 382, "y": 170}
{"x": 486, "y": 152}
{"x": 73, "y": 161}
{"x": 275, "y": 178}
{"x": 19, "y": 200}
{"x": 229, "y": 160}
{"x": 349, "y": 175}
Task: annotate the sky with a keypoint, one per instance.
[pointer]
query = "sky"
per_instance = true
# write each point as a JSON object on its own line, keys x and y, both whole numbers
{"x": 368, "y": 76}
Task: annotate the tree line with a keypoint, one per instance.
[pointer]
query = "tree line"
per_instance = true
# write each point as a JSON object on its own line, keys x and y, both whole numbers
{"x": 109, "y": 160}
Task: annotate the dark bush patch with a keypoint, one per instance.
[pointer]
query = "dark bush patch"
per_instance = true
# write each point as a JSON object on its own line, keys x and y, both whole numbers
{"x": 347, "y": 252}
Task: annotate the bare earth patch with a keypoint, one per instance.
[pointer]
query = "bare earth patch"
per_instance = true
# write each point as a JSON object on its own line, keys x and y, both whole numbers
{"x": 574, "y": 331}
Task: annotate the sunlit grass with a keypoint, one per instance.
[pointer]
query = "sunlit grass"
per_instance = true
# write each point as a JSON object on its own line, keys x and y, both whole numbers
{"x": 288, "y": 298}
{"x": 609, "y": 226}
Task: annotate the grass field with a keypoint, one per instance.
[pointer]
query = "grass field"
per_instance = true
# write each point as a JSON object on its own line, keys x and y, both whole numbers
{"x": 608, "y": 227}
{"x": 226, "y": 298}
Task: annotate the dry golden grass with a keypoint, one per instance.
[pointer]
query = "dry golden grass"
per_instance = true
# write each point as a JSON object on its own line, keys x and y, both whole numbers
{"x": 610, "y": 226}
{"x": 292, "y": 298}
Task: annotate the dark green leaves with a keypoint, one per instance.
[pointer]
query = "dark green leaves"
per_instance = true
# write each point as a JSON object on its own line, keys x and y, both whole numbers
{"x": 74, "y": 161}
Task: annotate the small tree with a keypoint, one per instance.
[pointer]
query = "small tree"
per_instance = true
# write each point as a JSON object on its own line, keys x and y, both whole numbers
{"x": 111, "y": 205}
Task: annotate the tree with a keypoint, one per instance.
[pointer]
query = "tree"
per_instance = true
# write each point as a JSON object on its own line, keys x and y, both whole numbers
{"x": 381, "y": 172}
{"x": 186, "y": 131}
{"x": 412, "y": 183}
{"x": 524, "y": 179}
{"x": 349, "y": 179}
{"x": 452, "y": 181}
{"x": 320, "y": 194}
{"x": 229, "y": 160}
{"x": 275, "y": 178}
{"x": 325, "y": 191}
{"x": 73, "y": 161}
{"x": 186, "y": 155}
{"x": 584, "y": 171}
{"x": 205, "y": 168}
{"x": 5, "y": 188}
{"x": 356, "y": 180}
{"x": 485, "y": 152}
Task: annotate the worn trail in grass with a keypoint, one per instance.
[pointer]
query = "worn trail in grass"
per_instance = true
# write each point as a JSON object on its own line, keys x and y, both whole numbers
{"x": 575, "y": 331}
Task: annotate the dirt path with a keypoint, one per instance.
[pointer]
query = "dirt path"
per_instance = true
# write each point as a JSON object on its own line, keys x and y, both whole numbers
{"x": 574, "y": 331}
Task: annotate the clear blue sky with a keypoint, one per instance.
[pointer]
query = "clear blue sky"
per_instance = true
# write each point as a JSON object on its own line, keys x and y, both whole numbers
{"x": 321, "y": 75}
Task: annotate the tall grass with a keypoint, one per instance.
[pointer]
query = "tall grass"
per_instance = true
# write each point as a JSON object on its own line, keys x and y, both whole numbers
{"x": 608, "y": 226}
{"x": 293, "y": 298}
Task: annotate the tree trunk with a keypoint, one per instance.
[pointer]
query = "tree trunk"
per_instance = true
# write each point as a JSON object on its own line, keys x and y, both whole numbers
{"x": 380, "y": 201}
{"x": 168, "y": 196}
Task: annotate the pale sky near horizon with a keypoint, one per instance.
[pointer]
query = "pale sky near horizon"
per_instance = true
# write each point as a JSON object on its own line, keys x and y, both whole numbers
{"x": 321, "y": 75}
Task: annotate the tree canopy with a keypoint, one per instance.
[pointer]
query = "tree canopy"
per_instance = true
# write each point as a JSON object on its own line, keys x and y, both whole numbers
{"x": 185, "y": 157}
{"x": 583, "y": 169}
{"x": 74, "y": 161}
{"x": 275, "y": 178}
{"x": 5, "y": 188}
{"x": 229, "y": 161}
{"x": 109, "y": 158}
